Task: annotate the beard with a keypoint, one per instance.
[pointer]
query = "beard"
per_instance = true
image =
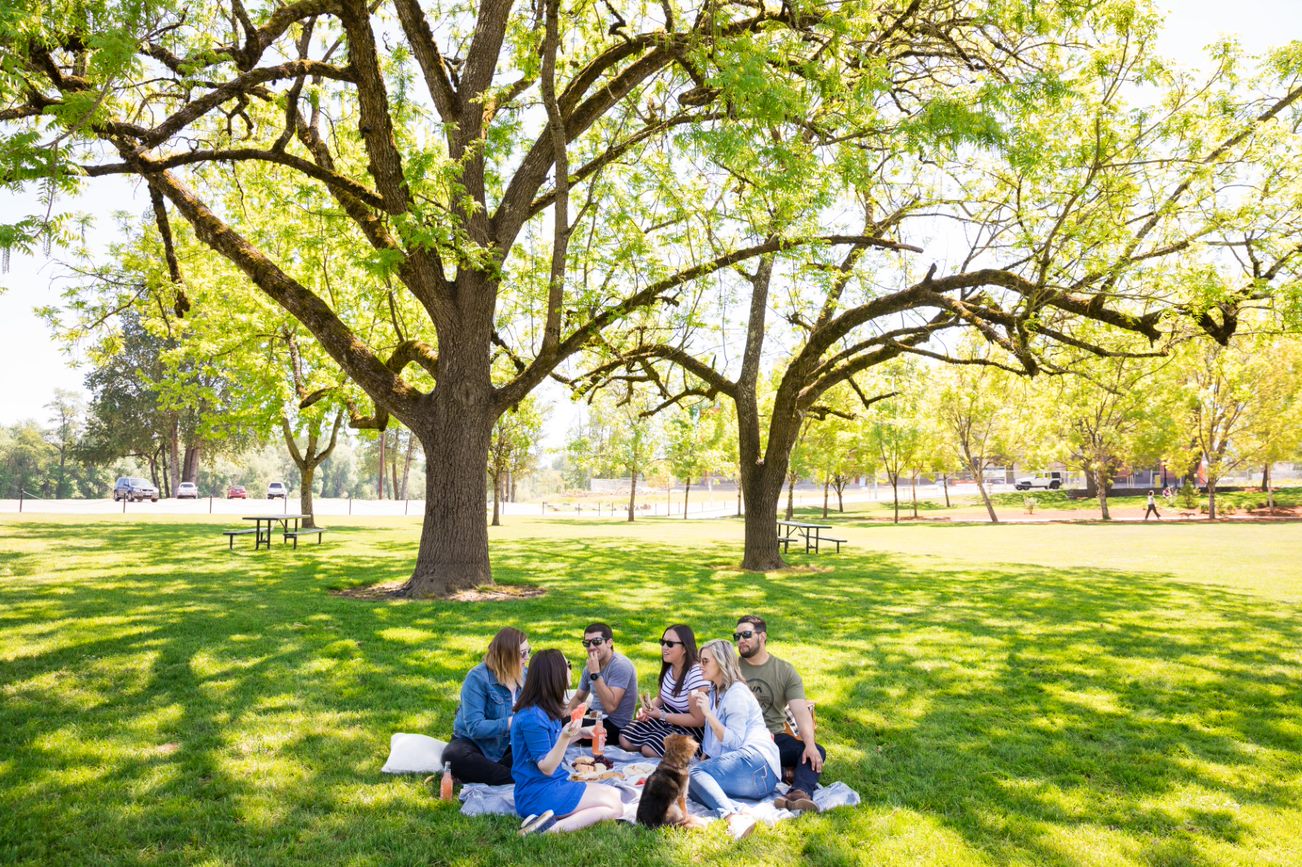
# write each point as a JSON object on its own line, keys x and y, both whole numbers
{"x": 751, "y": 651}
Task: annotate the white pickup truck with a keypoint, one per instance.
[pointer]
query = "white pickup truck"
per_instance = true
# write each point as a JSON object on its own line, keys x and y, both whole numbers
{"x": 1048, "y": 483}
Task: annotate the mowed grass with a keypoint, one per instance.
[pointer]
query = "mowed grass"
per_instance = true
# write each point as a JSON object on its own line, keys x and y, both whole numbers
{"x": 1048, "y": 694}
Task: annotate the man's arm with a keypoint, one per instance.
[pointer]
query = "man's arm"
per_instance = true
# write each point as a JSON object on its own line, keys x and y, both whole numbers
{"x": 610, "y": 696}
{"x": 575, "y": 700}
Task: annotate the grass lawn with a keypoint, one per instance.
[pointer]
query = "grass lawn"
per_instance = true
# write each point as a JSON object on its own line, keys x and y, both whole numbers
{"x": 1049, "y": 694}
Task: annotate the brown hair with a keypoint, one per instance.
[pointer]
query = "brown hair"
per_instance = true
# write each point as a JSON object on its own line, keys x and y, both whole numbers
{"x": 545, "y": 685}
{"x": 688, "y": 637}
{"x": 503, "y": 657}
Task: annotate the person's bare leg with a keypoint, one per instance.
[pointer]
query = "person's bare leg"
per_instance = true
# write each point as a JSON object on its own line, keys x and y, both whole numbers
{"x": 598, "y": 804}
{"x": 648, "y": 752}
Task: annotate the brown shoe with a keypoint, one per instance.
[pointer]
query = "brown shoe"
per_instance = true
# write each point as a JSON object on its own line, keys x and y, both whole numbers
{"x": 797, "y": 801}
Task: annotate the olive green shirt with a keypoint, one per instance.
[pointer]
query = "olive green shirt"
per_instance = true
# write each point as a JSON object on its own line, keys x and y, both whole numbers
{"x": 774, "y": 684}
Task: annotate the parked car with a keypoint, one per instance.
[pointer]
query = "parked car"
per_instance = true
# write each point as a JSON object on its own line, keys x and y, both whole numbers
{"x": 187, "y": 491}
{"x": 1048, "y": 483}
{"x": 276, "y": 489}
{"x": 131, "y": 488}
{"x": 236, "y": 492}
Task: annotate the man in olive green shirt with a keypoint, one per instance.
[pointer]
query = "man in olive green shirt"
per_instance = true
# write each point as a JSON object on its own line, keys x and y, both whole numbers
{"x": 777, "y": 685}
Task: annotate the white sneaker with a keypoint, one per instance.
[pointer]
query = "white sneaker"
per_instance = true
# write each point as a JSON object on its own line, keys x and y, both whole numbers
{"x": 535, "y": 822}
{"x": 741, "y": 825}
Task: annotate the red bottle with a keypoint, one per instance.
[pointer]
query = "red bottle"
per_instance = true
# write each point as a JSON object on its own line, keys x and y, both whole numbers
{"x": 599, "y": 736}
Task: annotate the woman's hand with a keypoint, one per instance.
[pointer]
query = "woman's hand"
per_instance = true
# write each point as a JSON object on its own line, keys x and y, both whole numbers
{"x": 701, "y": 699}
{"x": 572, "y": 730}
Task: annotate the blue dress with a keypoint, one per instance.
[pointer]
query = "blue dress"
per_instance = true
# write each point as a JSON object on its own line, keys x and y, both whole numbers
{"x": 533, "y": 734}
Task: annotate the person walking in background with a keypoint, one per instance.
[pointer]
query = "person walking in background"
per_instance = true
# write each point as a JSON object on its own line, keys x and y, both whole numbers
{"x": 1152, "y": 507}
{"x": 543, "y": 788}
{"x": 480, "y": 751}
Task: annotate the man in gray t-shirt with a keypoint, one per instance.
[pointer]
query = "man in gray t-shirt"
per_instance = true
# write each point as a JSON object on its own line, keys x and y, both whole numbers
{"x": 610, "y": 679}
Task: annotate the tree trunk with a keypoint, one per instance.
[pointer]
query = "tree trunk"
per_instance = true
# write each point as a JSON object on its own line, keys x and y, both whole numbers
{"x": 173, "y": 454}
{"x": 827, "y": 483}
{"x": 739, "y": 496}
{"x": 307, "y": 481}
{"x": 406, "y": 464}
{"x": 1101, "y": 486}
{"x": 762, "y": 493}
{"x": 985, "y": 497}
{"x": 384, "y": 441}
{"x": 393, "y": 464}
{"x": 632, "y": 495}
{"x": 895, "y": 493}
{"x": 791, "y": 498}
{"x": 913, "y": 484}
{"x": 945, "y": 480}
{"x": 497, "y": 496}
{"x": 1211, "y": 497}
{"x": 1266, "y": 486}
{"x": 687, "y": 490}
{"x": 453, "y": 552}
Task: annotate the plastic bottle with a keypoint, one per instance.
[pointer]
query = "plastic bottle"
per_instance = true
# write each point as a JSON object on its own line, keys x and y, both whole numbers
{"x": 445, "y": 786}
{"x": 599, "y": 735}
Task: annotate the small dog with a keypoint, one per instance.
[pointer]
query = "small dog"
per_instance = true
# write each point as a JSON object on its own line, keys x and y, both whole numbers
{"x": 664, "y": 796}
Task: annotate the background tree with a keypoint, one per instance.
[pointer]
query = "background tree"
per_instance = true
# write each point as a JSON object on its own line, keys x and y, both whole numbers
{"x": 513, "y": 449}
{"x": 694, "y": 436}
{"x": 973, "y": 406}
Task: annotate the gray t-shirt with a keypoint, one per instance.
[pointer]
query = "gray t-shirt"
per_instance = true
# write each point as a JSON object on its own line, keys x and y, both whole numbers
{"x": 618, "y": 673}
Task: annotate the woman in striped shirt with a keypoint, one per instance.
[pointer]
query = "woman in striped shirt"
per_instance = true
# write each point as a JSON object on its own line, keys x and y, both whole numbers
{"x": 672, "y": 711}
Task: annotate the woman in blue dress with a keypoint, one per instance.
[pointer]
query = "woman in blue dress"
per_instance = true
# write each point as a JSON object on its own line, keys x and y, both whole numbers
{"x": 543, "y": 788}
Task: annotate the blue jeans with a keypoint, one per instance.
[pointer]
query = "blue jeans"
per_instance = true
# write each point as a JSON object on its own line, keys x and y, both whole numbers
{"x": 743, "y": 773}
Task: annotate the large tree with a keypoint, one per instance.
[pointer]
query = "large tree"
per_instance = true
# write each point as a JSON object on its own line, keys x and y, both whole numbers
{"x": 446, "y": 137}
{"x": 1058, "y": 212}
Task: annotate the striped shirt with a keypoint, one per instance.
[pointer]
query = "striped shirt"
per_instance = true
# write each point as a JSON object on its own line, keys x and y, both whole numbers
{"x": 680, "y": 703}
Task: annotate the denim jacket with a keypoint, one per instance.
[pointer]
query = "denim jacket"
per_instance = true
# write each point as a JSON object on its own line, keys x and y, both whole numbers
{"x": 743, "y": 727}
{"x": 483, "y": 713}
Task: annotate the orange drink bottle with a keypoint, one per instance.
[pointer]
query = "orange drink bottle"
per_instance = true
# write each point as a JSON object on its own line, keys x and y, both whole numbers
{"x": 445, "y": 786}
{"x": 599, "y": 736}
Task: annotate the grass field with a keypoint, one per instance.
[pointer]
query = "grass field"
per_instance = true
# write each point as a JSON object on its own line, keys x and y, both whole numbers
{"x": 1049, "y": 694}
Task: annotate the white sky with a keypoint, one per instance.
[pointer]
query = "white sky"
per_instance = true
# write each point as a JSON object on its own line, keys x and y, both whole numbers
{"x": 32, "y": 366}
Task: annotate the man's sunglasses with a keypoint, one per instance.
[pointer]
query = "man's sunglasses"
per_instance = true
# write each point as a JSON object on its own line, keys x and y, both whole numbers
{"x": 665, "y": 642}
{"x": 593, "y": 642}
{"x": 738, "y": 636}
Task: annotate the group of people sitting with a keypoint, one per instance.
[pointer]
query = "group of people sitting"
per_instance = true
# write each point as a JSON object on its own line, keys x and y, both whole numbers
{"x": 513, "y": 724}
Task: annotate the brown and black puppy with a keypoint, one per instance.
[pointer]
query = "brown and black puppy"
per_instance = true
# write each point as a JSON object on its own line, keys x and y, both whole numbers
{"x": 664, "y": 796}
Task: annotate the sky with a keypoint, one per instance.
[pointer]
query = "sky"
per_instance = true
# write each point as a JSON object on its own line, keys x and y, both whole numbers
{"x": 32, "y": 365}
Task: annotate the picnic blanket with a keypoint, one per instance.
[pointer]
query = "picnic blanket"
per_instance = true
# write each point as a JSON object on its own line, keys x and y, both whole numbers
{"x": 479, "y": 799}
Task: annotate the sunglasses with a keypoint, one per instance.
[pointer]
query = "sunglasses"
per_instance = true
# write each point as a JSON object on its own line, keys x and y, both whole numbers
{"x": 593, "y": 642}
{"x": 665, "y": 642}
{"x": 738, "y": 636}
{"x": 524, "y": 652}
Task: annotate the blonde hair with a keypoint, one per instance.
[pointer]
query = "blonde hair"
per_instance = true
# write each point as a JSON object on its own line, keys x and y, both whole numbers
{"x": 724, "y": 656}
{"x": 503, "y": 657}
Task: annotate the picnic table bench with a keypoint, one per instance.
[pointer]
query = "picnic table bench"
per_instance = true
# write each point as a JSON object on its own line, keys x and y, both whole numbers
{"x": 810, "y": 534}
{"x": 305, "y": 531}
{"x": 263, "y": 528}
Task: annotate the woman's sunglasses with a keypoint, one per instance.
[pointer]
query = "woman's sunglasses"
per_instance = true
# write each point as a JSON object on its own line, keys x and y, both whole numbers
{"x": 665, "y": 642}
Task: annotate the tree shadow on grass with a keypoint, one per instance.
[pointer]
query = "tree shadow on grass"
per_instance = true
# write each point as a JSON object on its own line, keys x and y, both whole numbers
{"x": 207, "y": 706}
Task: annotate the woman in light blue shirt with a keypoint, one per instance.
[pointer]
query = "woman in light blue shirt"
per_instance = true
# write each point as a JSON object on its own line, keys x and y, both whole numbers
{"x": 741, "y": 758}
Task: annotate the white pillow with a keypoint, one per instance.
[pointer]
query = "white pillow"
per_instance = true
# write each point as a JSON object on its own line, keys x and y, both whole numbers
{"x": 414, "y": 754}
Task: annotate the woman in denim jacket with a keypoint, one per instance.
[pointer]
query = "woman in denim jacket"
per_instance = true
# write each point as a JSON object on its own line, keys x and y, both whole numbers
{"x": 480, "y": 751}
{"x": 741, "y": 758}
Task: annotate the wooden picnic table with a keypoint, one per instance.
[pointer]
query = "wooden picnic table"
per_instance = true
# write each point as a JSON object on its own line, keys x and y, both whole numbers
{"x": 810, "y": 534}
{"x": 263, "y": 528}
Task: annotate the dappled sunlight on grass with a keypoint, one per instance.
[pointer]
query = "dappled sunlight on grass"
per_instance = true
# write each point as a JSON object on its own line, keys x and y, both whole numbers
{"x": 1086, "y": 697}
